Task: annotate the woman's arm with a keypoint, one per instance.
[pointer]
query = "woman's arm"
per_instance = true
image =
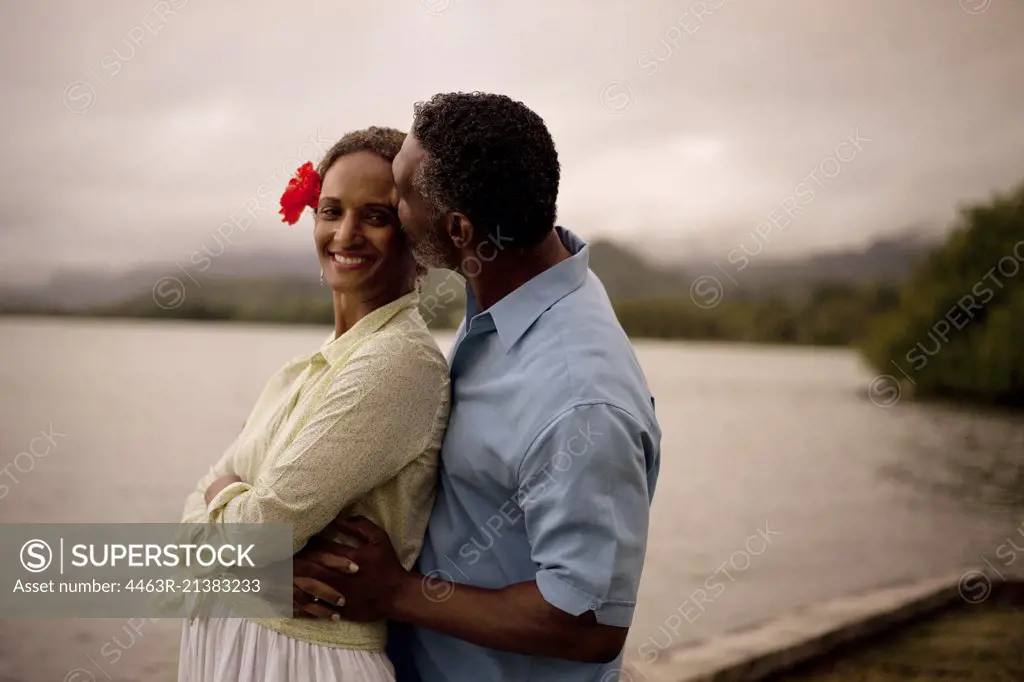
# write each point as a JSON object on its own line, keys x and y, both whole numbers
{"x": 380, "y": 413}
{"x": 228, "y": 465}
{"x": 220, "y": 484}
{"x": 195, "y": 504}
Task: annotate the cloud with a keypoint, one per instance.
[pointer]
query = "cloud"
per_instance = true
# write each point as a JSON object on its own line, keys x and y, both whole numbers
{"x": 189, "y": 116}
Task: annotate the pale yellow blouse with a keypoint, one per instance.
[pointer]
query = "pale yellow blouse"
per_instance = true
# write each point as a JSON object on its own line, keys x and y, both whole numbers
{"x": 356, "y": 426}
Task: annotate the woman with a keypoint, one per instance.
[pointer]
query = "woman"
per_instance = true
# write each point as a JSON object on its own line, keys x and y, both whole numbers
{"x": 355, "y": 426}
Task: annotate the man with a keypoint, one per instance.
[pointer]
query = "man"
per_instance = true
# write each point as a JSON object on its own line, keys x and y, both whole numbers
{"x": 532, "y": 559}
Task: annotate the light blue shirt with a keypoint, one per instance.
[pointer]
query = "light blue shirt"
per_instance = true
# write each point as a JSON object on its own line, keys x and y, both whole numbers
{"x": 548, "y": 468}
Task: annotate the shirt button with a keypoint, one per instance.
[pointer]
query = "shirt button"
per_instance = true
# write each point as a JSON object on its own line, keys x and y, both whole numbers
{"x": 593, "y": 606}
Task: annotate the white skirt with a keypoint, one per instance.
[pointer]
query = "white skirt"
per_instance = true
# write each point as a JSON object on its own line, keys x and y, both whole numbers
{"x": 238, "y": 650}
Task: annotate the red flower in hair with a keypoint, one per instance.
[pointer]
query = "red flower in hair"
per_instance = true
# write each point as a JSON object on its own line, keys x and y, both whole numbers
{"x": 303, "y": 190}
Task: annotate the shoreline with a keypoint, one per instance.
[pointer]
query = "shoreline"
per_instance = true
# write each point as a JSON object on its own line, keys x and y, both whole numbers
{"x": 805, "y": 636}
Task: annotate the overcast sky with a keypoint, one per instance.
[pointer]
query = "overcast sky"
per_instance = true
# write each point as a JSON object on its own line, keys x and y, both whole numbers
{"x": 134, "y": 129}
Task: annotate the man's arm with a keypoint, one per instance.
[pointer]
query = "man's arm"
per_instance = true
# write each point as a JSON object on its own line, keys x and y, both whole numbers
{"x": 516, "y": 618}
{"x": 585, "y": 502}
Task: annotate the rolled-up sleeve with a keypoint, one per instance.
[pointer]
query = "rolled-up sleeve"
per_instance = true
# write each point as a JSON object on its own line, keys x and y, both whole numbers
{"x": 195, "y": 504}
{"x": 584, "y": 491}
{"x": 378, "y": 415}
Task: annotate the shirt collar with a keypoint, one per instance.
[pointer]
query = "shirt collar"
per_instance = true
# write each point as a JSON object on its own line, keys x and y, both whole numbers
{"x": 335, "y": 349}
{"x": 515, "y": 313}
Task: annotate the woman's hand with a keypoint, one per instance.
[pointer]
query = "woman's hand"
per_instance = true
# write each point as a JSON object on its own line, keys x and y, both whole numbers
{"x": 332, "y": 580}
{"x": 218, "y": 485}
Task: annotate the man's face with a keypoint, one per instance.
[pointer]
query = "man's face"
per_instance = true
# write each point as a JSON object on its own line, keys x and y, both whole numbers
{"x": 420, "y": 222}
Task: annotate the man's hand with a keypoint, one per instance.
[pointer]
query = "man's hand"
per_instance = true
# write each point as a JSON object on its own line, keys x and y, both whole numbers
{"x": 370, "y": 584}
{"x": 218, "y": 485}
{"x": 356, "y": 583}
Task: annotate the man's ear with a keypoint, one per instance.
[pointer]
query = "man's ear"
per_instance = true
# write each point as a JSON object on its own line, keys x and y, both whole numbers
{"x": 460, "y": 230}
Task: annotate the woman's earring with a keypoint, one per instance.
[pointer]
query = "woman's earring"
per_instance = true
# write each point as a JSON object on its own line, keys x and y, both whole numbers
{"x": 321, "y": 276}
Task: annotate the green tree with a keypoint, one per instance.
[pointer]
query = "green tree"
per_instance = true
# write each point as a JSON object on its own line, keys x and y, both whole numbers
{"x": 958, "y": 330}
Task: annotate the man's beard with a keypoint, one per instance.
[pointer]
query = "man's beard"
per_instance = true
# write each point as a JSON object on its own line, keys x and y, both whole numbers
{"x": 430, "y": 251}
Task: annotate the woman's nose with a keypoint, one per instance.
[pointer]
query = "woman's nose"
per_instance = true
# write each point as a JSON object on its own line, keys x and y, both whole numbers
{"x": 349, "y": 232}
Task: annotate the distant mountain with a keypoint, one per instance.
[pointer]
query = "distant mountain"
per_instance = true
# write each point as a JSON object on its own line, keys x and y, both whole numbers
{"x": 628, "y": 275}
{"x": 625, "y": 273}
{"x": 76, "y": 289}
{"x": 886, "y": 260}
{"x": 714, "y": 241}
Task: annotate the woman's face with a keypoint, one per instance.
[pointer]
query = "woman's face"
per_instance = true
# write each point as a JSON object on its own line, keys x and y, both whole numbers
{"x": 358, "y": 240}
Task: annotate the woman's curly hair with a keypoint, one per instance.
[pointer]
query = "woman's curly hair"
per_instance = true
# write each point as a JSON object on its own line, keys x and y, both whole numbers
{"x": 384, "y": 142}
{"x": 491, "y": 158}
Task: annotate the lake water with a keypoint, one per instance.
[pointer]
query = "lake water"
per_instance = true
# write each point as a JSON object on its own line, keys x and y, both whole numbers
{"x": 782, "y": 483}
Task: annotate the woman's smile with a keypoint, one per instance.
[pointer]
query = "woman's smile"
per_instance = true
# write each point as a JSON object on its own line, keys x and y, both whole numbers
{"x": 343, "y": 261}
